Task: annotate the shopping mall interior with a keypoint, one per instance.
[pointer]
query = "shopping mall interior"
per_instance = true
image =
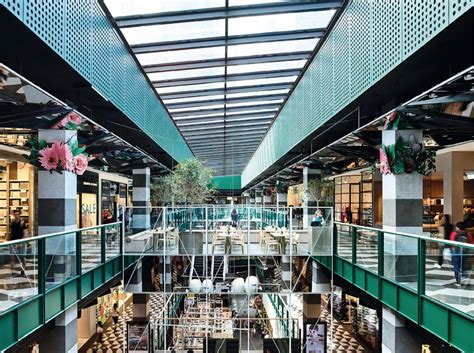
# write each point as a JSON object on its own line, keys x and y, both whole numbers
{"x": 236, "y": 176}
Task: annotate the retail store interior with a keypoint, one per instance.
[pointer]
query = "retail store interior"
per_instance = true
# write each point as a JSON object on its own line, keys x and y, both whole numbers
{"x": 223, "y": 176}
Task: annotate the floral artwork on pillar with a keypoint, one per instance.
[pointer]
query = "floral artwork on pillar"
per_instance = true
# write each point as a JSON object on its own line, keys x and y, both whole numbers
{"x": 60, "y": 156}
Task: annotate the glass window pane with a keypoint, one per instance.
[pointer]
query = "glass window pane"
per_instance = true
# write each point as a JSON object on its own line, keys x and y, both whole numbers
{"x": 237, "y": 69}
{"x": 262, "y": 81}
{"x": 250, "y": 110}
{"x": 172, "y": 75}
{"x": 237, "y": 118}
{"x": 174, "y": 31}
{"x": 280, "y": 22}
{"x": 190, "y": 88}
{"x": 215, "y": 106}
{"x": 181, "y": 55}
{"x": 137, "y": 7}
{"x": 271, "y": 47}
{"x": 253, "y": 2}
{"x": 197, "y": 115}
{"x": 192, "y": 99}
{"x": 277, "y": 101}
{"x": 257, "y": 93}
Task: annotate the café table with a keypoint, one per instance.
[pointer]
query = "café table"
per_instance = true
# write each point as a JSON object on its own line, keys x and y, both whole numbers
{"x": 281, "y": 237}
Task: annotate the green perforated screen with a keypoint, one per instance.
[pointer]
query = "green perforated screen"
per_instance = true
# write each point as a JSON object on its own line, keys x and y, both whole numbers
{"x": 369, "y": 40}
{"x": 80, "y": 32}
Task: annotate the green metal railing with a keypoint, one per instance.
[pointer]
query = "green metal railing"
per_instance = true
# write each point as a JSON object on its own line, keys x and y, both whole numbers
{"x": 400, "y": 270}
{"x": 50, "y": 273}
{"x": 290, "y": 326}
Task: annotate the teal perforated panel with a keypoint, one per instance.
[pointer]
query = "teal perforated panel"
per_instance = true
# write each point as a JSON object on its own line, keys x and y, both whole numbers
{"x": 370, "y": 39}
{"x": 80, "y": 32}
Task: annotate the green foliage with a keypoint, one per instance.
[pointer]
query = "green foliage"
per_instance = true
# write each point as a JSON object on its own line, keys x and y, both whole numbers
{"x": 321, "y": 190}
{"x": 36, "y": 146}
{"x": 191, "y": 182}
{"x": 161, "y": 190}
{"x": 76, "y": 150}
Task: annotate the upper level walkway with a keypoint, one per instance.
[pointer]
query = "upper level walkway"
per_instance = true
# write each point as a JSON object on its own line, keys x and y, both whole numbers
{"x": 42, "y": 276}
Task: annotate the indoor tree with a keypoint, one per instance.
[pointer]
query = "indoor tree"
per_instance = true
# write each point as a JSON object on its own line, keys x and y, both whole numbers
{"x": 191, "y": 182}
{"x": 321, "y": 191}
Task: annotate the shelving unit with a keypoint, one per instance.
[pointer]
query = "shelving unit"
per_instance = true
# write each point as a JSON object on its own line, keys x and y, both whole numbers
{"x": 16, "y": 191}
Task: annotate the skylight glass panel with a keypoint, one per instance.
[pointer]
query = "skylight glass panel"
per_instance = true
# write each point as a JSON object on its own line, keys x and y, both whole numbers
{"x": 236, "y": 119}
{"x": 198, "y": 123}
{"x": 255, "y": 109}
{"x": 176, "y": 56}
{"x": 262, "y": 81}
{"x": 173, "y": 75}
{"x": 200, "y": 116}
{"x": 174, "y": 31}
{"x": 282, "y": 65}
{"x": 182, "y": 110}
{"x": 276, "y": 101}
{"x": 192, "y": 99}
{"x": 190, "y": 88}
{"x": 280, "y": 22}
{"x": 257, "y": 93}
{"x": 272, "y": 47}
{"x": 139, "y": 7}
{"x": 253, "y": 2}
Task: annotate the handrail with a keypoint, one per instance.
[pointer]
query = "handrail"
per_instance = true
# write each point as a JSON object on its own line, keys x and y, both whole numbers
{"x": 423, "y": 237}
{"x": 45, "y": 236}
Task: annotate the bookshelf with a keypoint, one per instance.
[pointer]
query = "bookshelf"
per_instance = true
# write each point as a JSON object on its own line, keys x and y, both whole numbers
{"x": 16, "y": 191}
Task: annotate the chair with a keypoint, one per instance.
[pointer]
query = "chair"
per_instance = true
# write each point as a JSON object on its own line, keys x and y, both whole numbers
{"x": 295, "y": 240}
{"x": 239, "y": 240}
{"x": 217, "y": 241}
{"x": 272, "y": 243}
{"x": 172, "y": 239}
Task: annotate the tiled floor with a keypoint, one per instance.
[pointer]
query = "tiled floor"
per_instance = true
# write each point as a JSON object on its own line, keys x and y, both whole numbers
{"x": 440, "y": 282}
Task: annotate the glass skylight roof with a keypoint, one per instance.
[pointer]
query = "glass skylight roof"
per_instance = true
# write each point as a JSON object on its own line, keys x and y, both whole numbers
{"x": 216, "y": 66}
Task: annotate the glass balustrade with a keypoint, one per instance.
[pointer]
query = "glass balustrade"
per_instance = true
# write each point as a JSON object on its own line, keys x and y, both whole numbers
{"x": 35, "y": 265}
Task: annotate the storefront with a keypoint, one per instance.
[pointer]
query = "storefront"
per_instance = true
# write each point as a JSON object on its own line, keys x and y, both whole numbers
{"x": 17, "y": 192}
{"x": 113, "y": 199}
{"x": 99, "y": 310}
{"x": 87, "y": 195}
{"x": 363, "y": 320}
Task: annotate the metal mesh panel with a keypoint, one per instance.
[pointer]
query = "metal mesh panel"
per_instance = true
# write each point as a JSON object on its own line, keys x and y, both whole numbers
{"x": 458, "y": 7}
{"x": 46, "y": 19}
{"x": 421, "y": 21}
{"x": 15, "y": 6}
{"x": 80, "y": 32}
{"x": 370, "y": 39}
{"x": 387, "y": 41}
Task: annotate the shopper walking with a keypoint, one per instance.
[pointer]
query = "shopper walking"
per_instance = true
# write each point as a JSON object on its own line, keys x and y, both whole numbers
{"x": 445, "y": 231}
{"x": 18, "y": 230}
{"x": 458, "y": 254}
{"x": 234, "y": 216}
{"x": 115, "y": 315}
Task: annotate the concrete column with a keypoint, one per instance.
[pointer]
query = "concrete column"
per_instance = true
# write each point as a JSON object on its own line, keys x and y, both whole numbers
{"x": 286, "y": 285}
{"x": 453, "y": 164}
{"x": 311, "y": 306}
{"x": 134, "y": 280}
{"x": 57, "y": 212}
{"x": 141, "y": 198}
{"x": 402, "y": 212}
{"x": 320, "y": 281}
{"x": 141, "y": 307}
{"x": 63, "y": 338}
{"x": 164, "y": 270}
{"x": 396, "y": 338}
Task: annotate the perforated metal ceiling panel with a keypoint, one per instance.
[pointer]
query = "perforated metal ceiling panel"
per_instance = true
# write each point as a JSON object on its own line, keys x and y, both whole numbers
{"x": 80, "y": 32}
{"x": 370, "y": 39}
